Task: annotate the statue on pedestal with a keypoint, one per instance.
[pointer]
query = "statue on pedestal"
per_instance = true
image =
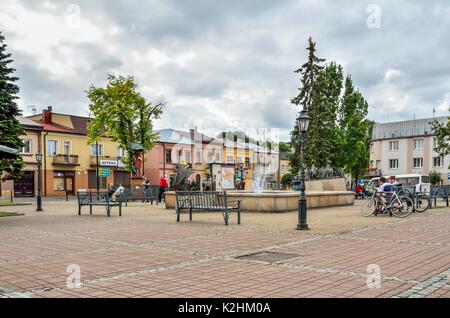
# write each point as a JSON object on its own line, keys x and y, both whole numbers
{"x": 137, "y": 156}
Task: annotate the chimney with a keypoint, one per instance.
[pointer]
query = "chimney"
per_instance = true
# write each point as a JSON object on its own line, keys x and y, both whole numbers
{"x": 47, "y": 115}
{"x": 192, "y": 134}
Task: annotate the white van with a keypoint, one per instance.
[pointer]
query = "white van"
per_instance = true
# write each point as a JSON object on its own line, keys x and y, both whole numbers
{"x": 422, "y": 183}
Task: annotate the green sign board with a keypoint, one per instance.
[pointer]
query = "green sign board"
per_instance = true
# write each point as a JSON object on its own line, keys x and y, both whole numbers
{"x": 104, "y": 172}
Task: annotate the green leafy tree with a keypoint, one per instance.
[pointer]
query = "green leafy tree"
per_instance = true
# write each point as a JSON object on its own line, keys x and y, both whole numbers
{"x": 435, "y": 178}
{"x": 442, "y": 136}
{"x": 286, "y": 179}
{"x": 10, "y": 128}
{"x": 354, "y": 131}
{"x": 285, "y": 147}
{"x": 120, "y": 112}
{"x": 309, "y": 72}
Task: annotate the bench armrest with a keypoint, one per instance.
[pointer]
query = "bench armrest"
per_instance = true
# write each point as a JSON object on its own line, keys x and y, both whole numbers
{"x": 235, "y": 202}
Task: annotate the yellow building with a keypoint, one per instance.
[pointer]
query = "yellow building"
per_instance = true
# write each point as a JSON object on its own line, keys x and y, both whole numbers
{"x": 285, "y": 165}
{"x": 69, "y": 163}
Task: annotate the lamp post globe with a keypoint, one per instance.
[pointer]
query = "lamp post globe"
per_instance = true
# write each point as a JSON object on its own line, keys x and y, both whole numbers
{"x": 303, "y": 121}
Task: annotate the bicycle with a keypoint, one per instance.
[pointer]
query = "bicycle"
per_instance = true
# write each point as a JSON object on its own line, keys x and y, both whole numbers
{"x": 421, "y": 202}
{"x": 398, "y": 206}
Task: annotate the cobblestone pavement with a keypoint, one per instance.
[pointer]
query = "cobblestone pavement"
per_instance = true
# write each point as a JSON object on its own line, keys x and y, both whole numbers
{"x": 145, "y": 253}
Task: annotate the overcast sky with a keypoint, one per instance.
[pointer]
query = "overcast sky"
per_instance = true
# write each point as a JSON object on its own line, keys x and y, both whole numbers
{"x": 229, "y": 64}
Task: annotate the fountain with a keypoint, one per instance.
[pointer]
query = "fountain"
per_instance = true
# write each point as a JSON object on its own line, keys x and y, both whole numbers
{"x": 320, "y": 193}
{"x": 259, "y": 178}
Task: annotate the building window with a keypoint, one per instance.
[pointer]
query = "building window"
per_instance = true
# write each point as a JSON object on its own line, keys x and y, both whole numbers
{"x": 120, "y": 152}
{"x": 438, "y": 161}
{"x": 59, "y": 183}
{"x": 418, "y": 143}
{"x": 187, "y": 156}
{"x": 393, "y": 145}
{"x": 217, "y": 157}
{"x": 27, "y": 148}
{"x": 94, "y": 150}
{"x": 434, "y": 142}
{"x": 52, "y": 147}
{"x": 371, "y": 148}
{"x": 229, "y": 158}
{"x": 179, "y": 154}
{"x": 393, "y": 163}
{"x": 239, "y": 159}
{"x": 92, "y": 180}
{"x": 417, "y": 162}
{"x": 247, "y": 162}
{"x": 198, "y": 157}
{"x": 67, "y": 145}
{"x": 210, "y": 156}
{"x": 63, "y": 181}
{"x": 168, "y": 156}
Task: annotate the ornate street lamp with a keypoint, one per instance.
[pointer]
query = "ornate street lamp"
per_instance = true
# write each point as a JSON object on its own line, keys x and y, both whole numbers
{"x": 302, "y": 125}
{"x": 39, "y": 195}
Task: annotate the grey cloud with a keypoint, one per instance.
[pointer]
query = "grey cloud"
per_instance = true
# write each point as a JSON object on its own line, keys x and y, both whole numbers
{"x": 251, "y": 47}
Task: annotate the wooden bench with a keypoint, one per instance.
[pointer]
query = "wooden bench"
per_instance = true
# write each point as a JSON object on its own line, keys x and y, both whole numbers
{"x": 206, "y": 201}
{"x": 101, "y": 198}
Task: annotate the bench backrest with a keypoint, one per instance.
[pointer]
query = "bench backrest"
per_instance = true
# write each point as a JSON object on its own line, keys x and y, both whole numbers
{"x": 138, "y": 192}
{"x": 84, "y": 197}
{"x": 408, "y": 191}
{"x": 201, "y": 199}
{"x": 440, "y": 191}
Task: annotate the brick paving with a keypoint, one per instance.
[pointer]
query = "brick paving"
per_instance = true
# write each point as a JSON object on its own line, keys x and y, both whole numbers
{"x": 145, "y": 253}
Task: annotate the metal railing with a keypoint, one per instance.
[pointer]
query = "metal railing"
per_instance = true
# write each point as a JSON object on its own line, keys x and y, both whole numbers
{"x": 65, "y": 159}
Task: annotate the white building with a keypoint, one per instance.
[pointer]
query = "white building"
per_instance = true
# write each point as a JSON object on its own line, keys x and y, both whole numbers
{"x": 406, "y": 147}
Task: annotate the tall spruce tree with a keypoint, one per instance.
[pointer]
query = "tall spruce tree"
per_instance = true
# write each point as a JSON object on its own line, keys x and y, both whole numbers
{"x": 354, "y": 133}
{"x": 309, "y": 73}
{"x": 10, "y": 128}
{"x": 323, "y": 129}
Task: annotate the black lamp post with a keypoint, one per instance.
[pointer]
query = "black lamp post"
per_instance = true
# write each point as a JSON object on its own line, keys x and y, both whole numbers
{"x": 302, "y": 125}
{"x": 97, "y": 164}
{"x": 39, "y": 195}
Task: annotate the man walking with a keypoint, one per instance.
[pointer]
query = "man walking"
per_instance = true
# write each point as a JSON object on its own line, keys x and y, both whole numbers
{"x": 146, "y": 186}
{"x": 162, "y": 188}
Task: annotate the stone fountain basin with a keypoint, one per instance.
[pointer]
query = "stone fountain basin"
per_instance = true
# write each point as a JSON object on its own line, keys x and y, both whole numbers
{"x": 279, "y": 201}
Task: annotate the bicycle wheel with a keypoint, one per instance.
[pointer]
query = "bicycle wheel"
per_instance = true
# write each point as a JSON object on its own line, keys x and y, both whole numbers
{"x": 421, "y": 202}
{"x": 368, "y": 207}
{"x": 405, "y": 208}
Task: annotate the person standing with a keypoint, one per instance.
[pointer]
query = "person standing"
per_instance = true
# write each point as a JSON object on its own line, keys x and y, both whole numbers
{"x": 162, "y": 188}
{"x": 146, "y": 186}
